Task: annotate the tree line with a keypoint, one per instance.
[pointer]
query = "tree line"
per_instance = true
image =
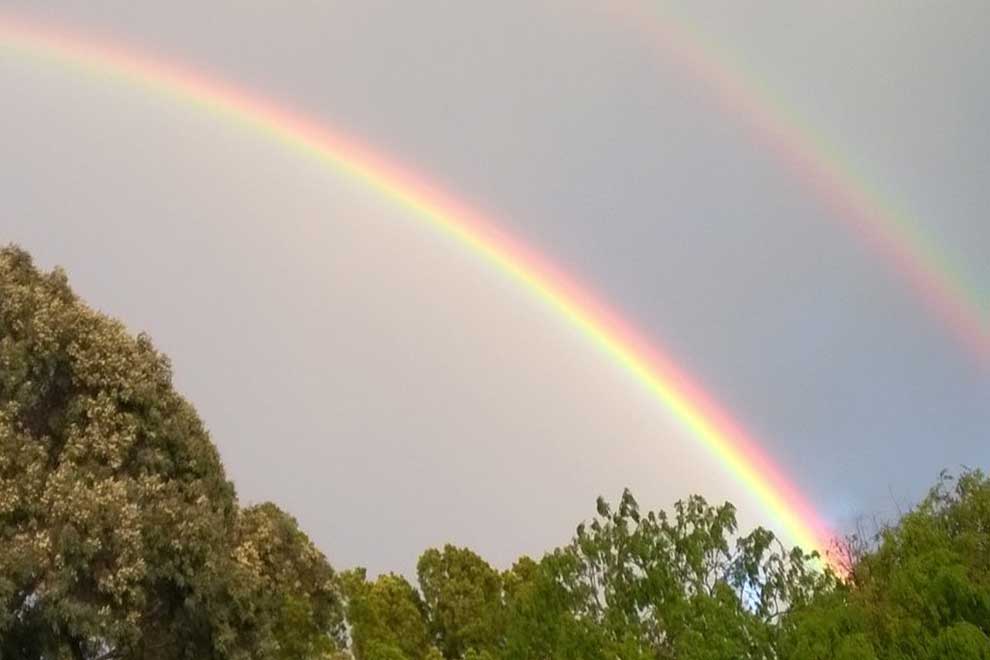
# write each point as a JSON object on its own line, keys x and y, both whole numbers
{"x": 121, "y": 537}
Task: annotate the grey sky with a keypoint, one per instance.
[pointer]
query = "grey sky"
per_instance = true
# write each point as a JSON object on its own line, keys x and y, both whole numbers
{"x": 393, "y": 393}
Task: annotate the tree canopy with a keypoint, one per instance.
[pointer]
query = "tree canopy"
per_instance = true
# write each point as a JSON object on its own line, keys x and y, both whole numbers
{"x": 922, "y": 591}
{"x": 639, "y": 585}
{"x": 120, "y": 535}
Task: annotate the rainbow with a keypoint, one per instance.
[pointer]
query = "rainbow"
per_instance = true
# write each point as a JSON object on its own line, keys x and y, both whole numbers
{"x": 575, "y": 303}
{"x": 835, "y": 181}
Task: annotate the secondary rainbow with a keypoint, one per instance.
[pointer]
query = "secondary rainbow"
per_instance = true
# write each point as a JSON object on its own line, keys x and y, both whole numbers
{"x": 647, "y": 363}
{"x": 851, "y": 200}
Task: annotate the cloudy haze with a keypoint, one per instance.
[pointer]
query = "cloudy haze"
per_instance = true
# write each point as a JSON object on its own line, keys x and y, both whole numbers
{"x": 366, "y": 374}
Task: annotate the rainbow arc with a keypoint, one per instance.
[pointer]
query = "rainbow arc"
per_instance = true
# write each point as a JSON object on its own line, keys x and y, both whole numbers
{"x": 851, "y": 201}
{"x": 576, "y": 304}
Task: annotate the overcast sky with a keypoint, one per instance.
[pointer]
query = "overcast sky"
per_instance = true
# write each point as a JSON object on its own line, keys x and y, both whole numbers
{"x": 393, "y": 392}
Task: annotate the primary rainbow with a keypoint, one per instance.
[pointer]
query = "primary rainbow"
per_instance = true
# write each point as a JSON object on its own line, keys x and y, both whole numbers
{"x": 575, "y": 303}
{"x": 850, "y": 199}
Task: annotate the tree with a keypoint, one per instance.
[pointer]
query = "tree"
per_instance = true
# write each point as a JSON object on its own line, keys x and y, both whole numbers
{"x": 118, "y": 527}
{"x": 546, "y": 615}
{"x": 288, "y": 580}
{"x": 387, "y": 618}
{"x": 463, "y": 597}
{"x": 647, "y": 586}
{"x": 922, "y": 592}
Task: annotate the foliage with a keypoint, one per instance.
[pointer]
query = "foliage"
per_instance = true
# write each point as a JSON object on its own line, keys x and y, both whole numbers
{"x": 387, "y": 618}
{"x": 687, "y": 586}
{"x": 291, "y": 583}
{"x": 647, "y": 586}
{"x": 922, "y": 592}
{"x": 463, "y": 597}
{"x": 119, "y": 533}
{"x": 629, "y": 586}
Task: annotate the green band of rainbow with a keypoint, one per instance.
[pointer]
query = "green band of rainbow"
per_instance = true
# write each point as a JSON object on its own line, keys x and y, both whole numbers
{"x": 845, "y": 193}
{"x": 647, "y": 364}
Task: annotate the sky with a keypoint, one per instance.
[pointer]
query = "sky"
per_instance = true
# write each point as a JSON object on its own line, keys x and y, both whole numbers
{"x": 394, "y": 392}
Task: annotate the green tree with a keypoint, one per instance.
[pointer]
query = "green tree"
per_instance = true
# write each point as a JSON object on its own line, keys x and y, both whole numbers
{"x": 546, "y": 613}
{"x": 288, "y": 582}
{"x": 637, "y": 586}
{"x": 931, "y": 574}
{"x": 463, "y": 597}
{"x": 118, "y": 527}
{"x": 922, "y": 592}
{"x": 387, "y": 618}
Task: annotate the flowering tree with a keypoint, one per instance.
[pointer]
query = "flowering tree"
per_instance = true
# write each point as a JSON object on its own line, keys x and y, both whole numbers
{"x": 120, "y": 535}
